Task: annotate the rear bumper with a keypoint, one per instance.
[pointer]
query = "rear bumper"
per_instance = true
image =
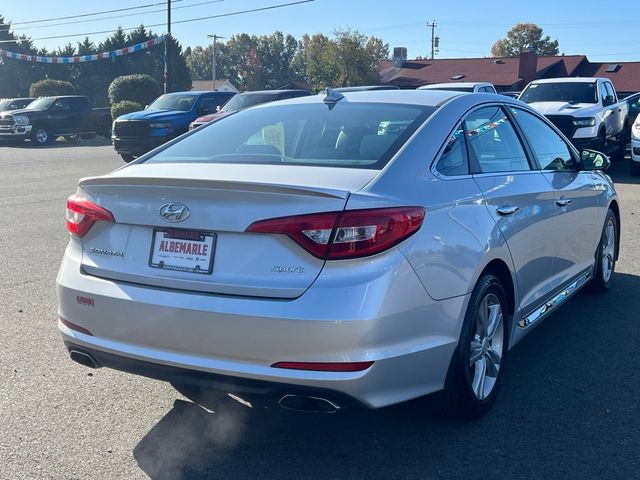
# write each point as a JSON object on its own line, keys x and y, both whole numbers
{"x": 137, "y": 146}
{"x": 196, "y": 378}
{"x": 389, "y": 320}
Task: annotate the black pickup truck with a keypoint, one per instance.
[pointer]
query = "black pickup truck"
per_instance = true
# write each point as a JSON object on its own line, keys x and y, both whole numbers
{"x": 47, "y": 118}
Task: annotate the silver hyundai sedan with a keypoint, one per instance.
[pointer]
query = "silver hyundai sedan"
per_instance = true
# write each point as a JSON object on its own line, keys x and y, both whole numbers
{"x": 365, "y": 248}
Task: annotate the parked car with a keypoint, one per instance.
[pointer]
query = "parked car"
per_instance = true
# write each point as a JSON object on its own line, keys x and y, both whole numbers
{"x": 249, "y": 99}
{"x": 461, "y": 87}
{"x": 47, "y": 118}
{"x": 586, "y": 110}
{"x": 633, "y": 104}
{"x": 635, "y": 147}
{"x": 514, "y": 94}
{"x": 366, "y": 88}
{"x": 168, "y": 117}
{"x": 9, "y": 104}
{"x": 299, "y": 249}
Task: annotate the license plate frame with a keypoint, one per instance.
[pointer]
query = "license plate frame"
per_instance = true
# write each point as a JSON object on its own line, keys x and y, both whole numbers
{"x": 189, "y": 237}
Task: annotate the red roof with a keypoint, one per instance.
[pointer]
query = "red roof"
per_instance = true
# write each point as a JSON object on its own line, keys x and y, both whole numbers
{"x": 625, "y": 76}
{"x": 502, "y": 72}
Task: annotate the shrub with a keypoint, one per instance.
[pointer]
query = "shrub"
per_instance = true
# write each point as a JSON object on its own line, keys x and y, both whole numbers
{"x": 142, "y": 89}
{"x": 123, "y": 107}
{"x": 51, "y": 88}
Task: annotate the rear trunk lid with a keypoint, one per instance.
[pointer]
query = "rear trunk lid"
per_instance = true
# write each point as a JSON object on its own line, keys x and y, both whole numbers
{"x": 209, "y": 250}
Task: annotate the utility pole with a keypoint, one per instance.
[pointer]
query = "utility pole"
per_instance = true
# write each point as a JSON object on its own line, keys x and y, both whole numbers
{"x": 166, "y": 48}
{"x": 213, "y": 59}
{"x": 433, "y": 26}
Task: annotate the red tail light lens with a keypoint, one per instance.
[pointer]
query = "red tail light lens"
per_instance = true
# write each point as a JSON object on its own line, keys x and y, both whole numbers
{"x": 348, "y": 234}
{"x": 82, "y": 214}
{"x": 324, "y": 366}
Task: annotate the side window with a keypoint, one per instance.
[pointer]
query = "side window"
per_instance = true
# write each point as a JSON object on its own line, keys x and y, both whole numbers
{"x": 603, "y": 93}
{"x": 63, "y": 103}
{"x": 77, "y": 104}
{"x": 208, "y": 105}
{"x": 610, "y": 90}
{"x": 550, "y": 150}
{"x": 493, "y": 143}
{"x": 454, "y": 160}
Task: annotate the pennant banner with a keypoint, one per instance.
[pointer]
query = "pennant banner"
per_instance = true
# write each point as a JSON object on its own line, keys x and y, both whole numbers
{"x": 84, "y": 58}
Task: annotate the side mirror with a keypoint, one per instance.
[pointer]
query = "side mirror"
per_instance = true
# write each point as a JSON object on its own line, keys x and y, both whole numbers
{"x": 218, "y": 108}
{"x": 594, "y": 160}
{"x": 608, "y": 100}
{"x": 58, "y": 108}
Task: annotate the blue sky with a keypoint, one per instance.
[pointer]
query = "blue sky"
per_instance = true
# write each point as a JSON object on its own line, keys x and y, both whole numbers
{"x": 466, "y": 28}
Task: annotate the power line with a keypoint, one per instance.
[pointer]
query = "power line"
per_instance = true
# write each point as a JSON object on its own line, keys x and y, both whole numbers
{"x": 221, "y": 15}
{"x": 84, "y": 15}
{"x": 163, "y": 10}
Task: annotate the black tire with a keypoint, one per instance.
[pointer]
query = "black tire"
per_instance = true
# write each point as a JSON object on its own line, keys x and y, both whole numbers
{"x": 601, "y": 143}
{"x": 634, "y": 168}
{"x": 40, "y": 136}
{"x": 606, "y": 256}
{"x": 464, "y": 396}
{"x": 127, "y": 158}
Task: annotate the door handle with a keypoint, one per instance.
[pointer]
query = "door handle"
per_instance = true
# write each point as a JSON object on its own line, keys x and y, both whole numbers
{"x": 507, "y": 210}
{"x": 563, "y": 202}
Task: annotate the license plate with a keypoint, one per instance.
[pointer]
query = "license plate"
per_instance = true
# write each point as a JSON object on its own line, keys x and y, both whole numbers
{"x": 182, "y": 250}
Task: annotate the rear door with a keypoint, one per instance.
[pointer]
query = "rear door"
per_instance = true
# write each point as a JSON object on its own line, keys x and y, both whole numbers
{"x": 518, "y": 197}
{"x": 577, "y": 215}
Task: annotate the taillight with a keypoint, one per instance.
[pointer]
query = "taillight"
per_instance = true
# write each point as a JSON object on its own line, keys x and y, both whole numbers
{"x": 325, "y": 366}
{"x": 82, "y": 214}
{"x": 347, "y": 234}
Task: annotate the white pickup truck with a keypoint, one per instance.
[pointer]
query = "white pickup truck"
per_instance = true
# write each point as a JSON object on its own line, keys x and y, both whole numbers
{"x": 586, "y": 110}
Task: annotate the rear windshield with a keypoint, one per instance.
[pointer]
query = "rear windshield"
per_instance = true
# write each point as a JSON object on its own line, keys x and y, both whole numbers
{"x": 570, "y": 92}
{"x": 173, "y": 102}
{"x": 352, "y": 135}
{"x": 246, "y": 100}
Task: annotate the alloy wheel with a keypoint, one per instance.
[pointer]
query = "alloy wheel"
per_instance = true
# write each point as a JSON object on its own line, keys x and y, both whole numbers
{"x": 608, "y": 250}
{"x": 486, "y": 348}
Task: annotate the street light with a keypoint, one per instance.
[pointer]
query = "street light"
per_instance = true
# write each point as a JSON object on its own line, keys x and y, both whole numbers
{"x": 213, "y": 59}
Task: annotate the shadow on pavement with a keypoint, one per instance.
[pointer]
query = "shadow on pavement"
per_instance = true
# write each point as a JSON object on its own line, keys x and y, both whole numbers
{"x": 620, "y": 171}
{"x": 568, "y": 409}
{"x": 93, "y": 142}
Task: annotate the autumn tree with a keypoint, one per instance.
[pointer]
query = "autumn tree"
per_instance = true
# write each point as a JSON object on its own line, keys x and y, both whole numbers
{"x": 521, "y": 37}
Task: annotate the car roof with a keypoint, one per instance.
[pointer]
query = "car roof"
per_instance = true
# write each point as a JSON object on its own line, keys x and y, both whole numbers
{"x": 453, "y": 84}
{"x": 275, "y": 92}
{"x": 569, "y": 80}
{"x": 430, "y": 98}
{"x": 361, "y": 88}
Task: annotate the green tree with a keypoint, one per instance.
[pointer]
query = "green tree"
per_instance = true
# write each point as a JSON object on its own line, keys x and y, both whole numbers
{"x": 142, "y": 89}
{"x": 51, "y": 88}
{"x": 521, "y": 37}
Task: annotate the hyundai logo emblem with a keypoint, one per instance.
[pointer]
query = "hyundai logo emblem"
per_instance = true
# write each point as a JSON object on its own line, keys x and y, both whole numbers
{"x": 174, "y": 212}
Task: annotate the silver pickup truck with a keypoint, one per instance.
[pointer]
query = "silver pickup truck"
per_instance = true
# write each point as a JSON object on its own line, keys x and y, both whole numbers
{"x": 586, "y": 110}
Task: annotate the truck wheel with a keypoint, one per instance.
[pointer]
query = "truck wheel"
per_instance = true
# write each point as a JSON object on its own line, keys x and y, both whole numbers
{"x": 601, "y": 143}
{"x": 127, "y": 158}
{"x": 40, "y": 136}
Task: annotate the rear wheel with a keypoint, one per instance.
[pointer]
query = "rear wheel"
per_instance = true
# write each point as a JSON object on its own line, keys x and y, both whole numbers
{"x": 476, "y": 369}
{"x": 606, "y": 255}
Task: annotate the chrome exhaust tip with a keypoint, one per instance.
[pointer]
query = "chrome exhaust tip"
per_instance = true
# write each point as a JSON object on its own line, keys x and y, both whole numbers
{"x": 83, "y": 359}
{"x": 304, "y": 403}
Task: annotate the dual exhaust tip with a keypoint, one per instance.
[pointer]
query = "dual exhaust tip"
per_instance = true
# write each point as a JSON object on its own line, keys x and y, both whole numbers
{"x": 304, "y": 403}
{"x": 298, "y": 403}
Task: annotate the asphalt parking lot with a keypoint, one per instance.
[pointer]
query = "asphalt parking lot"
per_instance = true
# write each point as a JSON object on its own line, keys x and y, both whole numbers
{"x": 569, "y": 406}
